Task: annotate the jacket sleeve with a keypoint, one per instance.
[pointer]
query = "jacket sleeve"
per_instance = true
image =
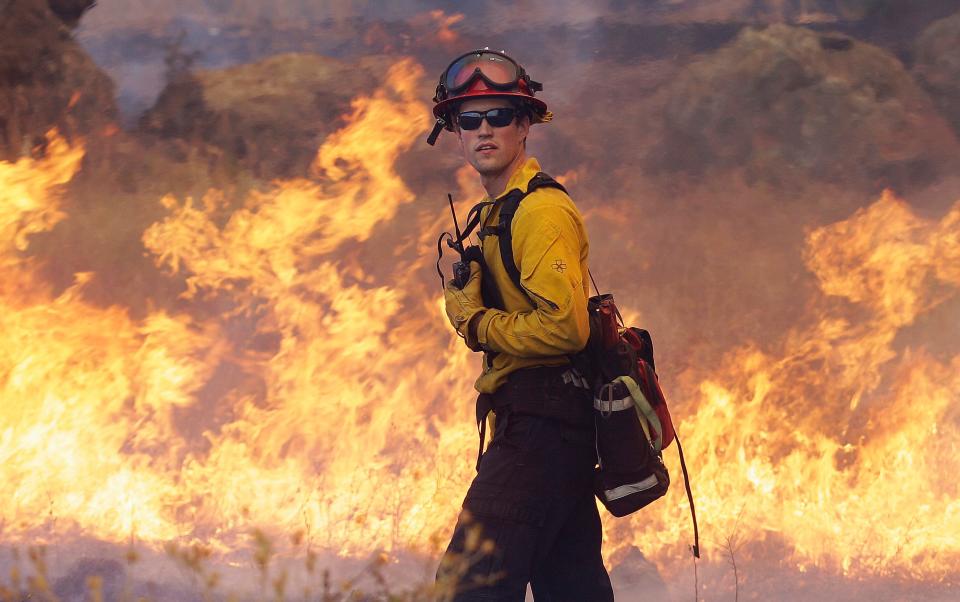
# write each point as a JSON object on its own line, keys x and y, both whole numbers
{"x": 546, "y": 245}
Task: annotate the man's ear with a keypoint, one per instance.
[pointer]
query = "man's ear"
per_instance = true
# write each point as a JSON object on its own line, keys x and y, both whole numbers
{"x": 523, "y": 126}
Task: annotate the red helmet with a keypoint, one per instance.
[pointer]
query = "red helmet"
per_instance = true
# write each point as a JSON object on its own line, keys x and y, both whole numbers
{"x": 484, "y": 73}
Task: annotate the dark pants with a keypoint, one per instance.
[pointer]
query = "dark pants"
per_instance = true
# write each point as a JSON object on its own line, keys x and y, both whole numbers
{"x": 530, "y": 515}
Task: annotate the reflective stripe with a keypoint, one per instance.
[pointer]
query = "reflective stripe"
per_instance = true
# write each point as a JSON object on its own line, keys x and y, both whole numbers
{"x": 648, "y": 418}
{"x": 613, "y": 405}
{"x": 624, "y": 490}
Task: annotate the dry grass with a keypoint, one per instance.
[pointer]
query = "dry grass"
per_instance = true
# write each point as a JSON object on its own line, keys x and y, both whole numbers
{"x": 29, "y": 578}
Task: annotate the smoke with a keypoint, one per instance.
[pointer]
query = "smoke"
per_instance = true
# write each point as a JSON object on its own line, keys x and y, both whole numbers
{"x": 130, "y": 38}
{"x": 705, "y": 148}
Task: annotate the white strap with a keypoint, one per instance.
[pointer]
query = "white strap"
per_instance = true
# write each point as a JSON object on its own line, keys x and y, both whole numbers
{"x": 613, "y": 405}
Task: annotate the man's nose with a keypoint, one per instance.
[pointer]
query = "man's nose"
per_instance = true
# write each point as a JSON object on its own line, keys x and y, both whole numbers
{"x": 485, "y": 128}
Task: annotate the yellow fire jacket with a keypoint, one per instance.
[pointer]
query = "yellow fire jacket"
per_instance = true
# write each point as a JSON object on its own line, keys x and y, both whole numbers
{"x": 550, "y": 249}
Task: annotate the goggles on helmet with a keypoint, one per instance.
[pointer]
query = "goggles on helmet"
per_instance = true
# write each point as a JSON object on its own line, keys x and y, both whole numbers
{"x": 484, "y": 73}
{"x": 497, "y": 70}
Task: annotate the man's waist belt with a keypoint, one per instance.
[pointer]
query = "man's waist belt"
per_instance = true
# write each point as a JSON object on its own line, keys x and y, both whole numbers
{"x": 556, "y": 392}
{"x": 552, "y": 391}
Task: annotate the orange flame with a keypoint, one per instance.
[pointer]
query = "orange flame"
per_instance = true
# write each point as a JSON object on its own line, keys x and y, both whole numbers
{"x": 28, "y": 194}
{"x": 68, "y": 391}
{"x": 832, "y": 442}
{"x": 335, "y": 421}
{"x": 348, "y": 413}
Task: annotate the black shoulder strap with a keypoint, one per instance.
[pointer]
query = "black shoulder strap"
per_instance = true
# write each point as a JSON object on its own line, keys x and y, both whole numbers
{"x": 473, "y": 220}
{"x": 504, "y": 228}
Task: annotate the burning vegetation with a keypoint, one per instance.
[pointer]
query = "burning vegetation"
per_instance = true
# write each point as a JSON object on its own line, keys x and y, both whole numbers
{"x": 224, "y": 319}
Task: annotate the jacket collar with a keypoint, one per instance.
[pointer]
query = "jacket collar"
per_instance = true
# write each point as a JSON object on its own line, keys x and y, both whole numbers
{"x": 521, "y": 176}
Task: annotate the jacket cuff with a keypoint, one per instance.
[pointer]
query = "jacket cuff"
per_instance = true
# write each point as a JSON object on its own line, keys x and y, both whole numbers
{"x": 470, "y": 330}
{"x": 483, "y": 326}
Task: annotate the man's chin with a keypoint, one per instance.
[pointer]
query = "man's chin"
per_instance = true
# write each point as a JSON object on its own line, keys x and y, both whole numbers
{"x": 489, "y": 168}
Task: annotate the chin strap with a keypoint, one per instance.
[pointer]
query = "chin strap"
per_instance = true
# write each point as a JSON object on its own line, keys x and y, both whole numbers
{"x": 437, "y": 128}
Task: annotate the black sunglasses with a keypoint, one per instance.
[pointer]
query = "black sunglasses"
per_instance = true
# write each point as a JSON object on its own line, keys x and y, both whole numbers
{"x": 498, "y": 118}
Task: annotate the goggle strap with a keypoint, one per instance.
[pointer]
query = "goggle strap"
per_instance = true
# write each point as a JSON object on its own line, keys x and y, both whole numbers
{"x": 437, "y": 128}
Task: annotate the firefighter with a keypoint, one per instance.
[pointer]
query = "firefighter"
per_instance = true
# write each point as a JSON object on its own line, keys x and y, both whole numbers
{"x": 529, "y": 516}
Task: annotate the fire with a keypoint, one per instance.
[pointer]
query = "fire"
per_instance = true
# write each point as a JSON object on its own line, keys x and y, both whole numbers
{"x": 832, "y": 442}
{"x": 329, "y": 407}
{"x": 343, "y": 436}
{"x": 67, "y": 389}
{"x": 28, "y": 196}
{"x": 303, "y": 389}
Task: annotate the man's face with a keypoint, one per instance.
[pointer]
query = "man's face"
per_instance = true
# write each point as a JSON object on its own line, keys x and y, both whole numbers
{"x": 488, "y": 149}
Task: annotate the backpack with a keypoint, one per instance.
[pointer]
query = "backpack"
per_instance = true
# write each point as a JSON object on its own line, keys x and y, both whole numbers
{"x": 631, "y": 415}
{"x": 633, "y": 422}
